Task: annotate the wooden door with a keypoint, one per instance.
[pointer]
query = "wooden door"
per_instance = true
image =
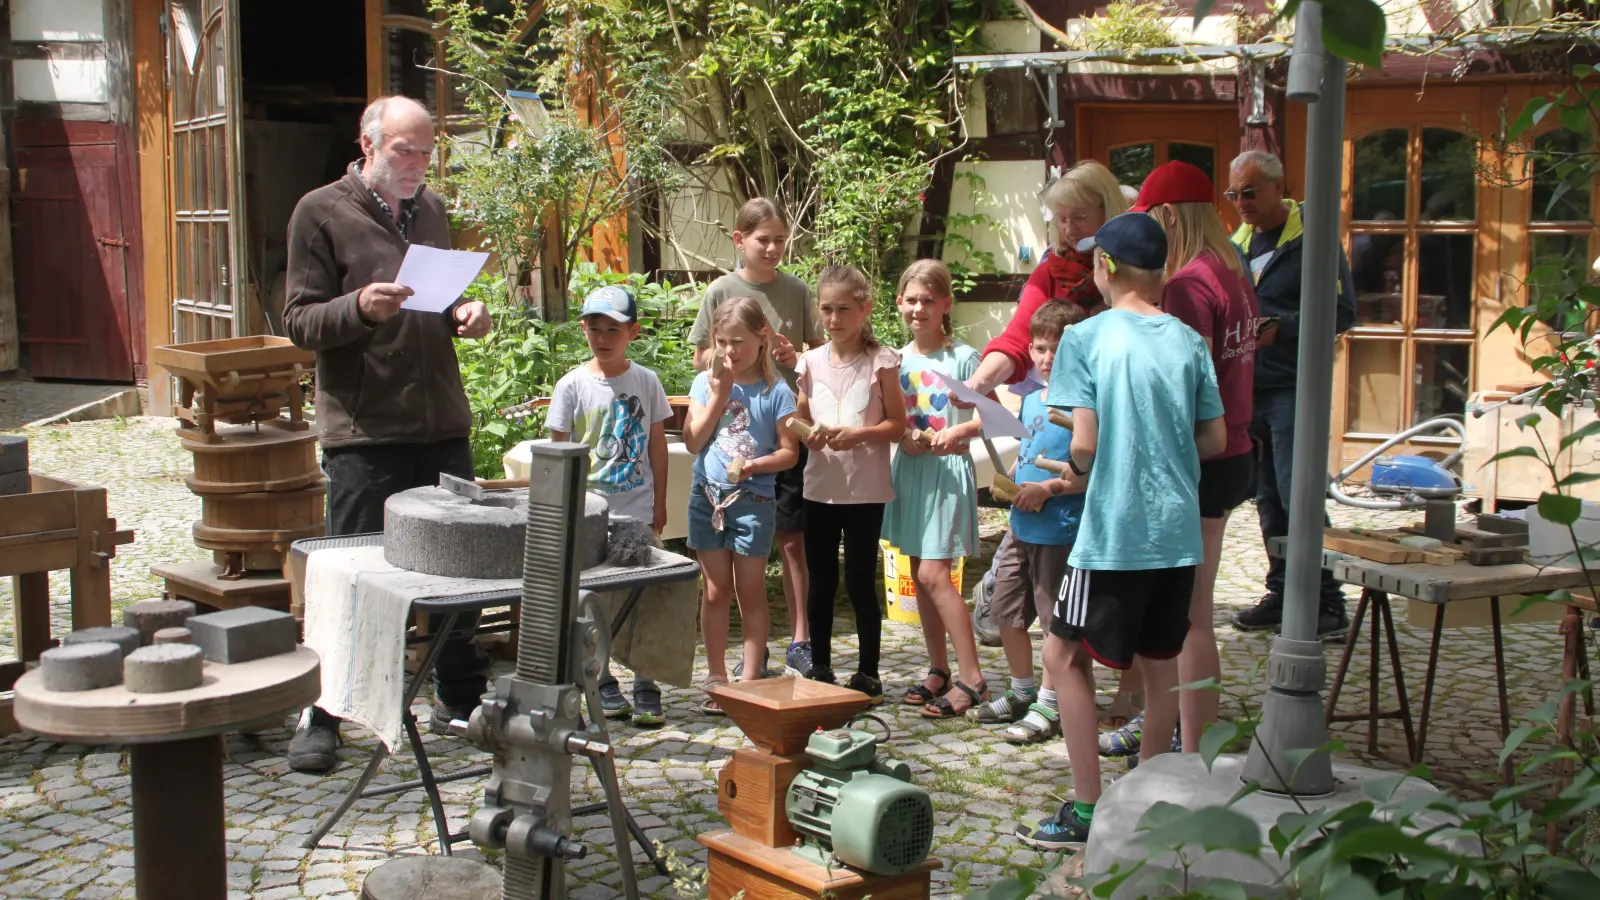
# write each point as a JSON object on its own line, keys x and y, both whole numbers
{"x": 208, "y": 252}
{"x": 1134, "y": 139}
{"x": 70, "y": 251}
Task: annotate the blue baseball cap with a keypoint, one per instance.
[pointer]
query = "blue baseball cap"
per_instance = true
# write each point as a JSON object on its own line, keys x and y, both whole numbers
{"x": 1134, "y": 238}
{"x": 614, "y": 302}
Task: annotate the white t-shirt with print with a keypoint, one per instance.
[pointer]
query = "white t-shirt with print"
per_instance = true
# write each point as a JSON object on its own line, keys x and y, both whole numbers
{"x": 614, "y": 417}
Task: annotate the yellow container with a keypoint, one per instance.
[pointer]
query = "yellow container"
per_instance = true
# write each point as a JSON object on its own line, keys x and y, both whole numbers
{"x": 901, "y": 589}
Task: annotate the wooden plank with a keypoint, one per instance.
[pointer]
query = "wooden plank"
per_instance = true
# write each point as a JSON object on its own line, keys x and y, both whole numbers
{"x": 30, "y": 614}
{"x": 751, "y": 793}
{"x": 774, "y": 873}
{"x": 38, "y": 557}
{"x": 10, "y": 672}
{"x": 91, "y": 575}
{"x": 47, "y": 510}
{"x": 10, "y": 344}
{"x": 154, "y": 197}
{"x": 37, "y": 537}
{"x": 1367, "y": 548}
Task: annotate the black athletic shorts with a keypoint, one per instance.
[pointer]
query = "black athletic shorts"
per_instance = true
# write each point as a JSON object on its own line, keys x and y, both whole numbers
{"x": 1117, "y": 615}
{"x": 1226, "y": 483}
{"x": 790, "y": 488}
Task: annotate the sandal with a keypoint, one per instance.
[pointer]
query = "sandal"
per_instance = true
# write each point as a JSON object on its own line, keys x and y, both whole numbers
{"x": 922, "y": 695}
{"x": 1007, "y": 708}
{"x": 1040, "y": 724}
{"x": 1124, "y": 741}
{"x": 710, "y": 706}
{"x": 942, "y": 708}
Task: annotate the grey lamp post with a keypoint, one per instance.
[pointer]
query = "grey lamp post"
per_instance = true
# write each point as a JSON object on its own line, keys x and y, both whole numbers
{"x": 1292, "y": 716}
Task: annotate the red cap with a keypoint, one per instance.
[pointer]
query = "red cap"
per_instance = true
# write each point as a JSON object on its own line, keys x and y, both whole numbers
{"x": 1175, "y": 182}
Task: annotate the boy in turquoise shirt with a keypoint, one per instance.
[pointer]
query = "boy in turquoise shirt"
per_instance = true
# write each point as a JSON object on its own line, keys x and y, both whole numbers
{"x": 1145, "y": 409}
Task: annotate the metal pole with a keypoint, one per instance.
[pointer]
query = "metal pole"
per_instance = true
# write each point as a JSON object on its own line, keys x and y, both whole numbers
{"x": 1292, "y": 716}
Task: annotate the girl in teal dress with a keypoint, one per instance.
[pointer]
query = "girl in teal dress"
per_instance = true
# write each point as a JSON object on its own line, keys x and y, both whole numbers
{"x": 934, "y": 516}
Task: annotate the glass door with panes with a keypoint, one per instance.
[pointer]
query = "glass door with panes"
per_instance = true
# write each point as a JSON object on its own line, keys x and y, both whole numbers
{"x": 1134, "y": 140}
{"x": 1413, "y": 231}
{"x": 1562, "y": 244}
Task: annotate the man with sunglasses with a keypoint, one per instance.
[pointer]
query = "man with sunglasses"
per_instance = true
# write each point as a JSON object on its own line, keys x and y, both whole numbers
{"x": 1270, "y": 240}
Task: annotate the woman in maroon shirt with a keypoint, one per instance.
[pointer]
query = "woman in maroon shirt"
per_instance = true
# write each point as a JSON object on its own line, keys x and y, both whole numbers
{"x": 1080, "y": 202}
{"x": 1209, "y": 290}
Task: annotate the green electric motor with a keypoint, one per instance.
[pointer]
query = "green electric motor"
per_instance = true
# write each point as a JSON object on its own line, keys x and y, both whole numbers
{"x": 857, "y": 809}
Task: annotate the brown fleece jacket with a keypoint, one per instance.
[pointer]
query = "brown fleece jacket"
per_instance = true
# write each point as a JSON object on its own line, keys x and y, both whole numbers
{"x": 396, "y": 382}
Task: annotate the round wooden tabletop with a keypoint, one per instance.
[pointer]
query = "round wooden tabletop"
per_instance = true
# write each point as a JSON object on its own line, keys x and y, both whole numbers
{"x": 231, "y": 697}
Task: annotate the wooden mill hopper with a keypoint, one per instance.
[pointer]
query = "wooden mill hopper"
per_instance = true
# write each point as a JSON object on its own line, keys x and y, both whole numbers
{"x": 246, "y": 380}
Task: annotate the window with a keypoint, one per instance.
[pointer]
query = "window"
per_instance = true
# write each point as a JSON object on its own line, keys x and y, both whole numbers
{"x": 1133, "y": 163}
{"x": 1413, "y": 242}
{"x": 1011, "y": 102}
{"x": 1560, "y": 220}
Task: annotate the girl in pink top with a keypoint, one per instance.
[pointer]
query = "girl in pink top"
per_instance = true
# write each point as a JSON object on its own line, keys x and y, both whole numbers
{"x": 850, "y": 389}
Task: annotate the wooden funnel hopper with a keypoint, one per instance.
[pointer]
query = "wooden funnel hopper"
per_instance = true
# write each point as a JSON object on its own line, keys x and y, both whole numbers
{"x": 780, "y": 714}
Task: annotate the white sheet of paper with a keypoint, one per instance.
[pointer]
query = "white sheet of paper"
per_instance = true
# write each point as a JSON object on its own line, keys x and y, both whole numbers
{"x": 997, "y": 420}
{"x": 438, "y": 276}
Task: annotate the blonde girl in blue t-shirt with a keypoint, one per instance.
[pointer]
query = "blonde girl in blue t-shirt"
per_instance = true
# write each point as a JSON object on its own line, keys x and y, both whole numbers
{"x": 736, "y": 408}
{"x": 934, "y": 516}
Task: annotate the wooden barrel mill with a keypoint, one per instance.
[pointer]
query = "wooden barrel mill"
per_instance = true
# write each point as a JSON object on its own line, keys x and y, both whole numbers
{"x": 260, "y": 489}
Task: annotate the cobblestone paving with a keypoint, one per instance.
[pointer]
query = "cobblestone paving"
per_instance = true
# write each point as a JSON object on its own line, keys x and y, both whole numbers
{"x": 65, "y": 816}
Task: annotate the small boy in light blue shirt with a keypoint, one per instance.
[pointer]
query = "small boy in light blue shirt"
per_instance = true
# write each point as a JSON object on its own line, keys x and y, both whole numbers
{"x": 1145, "y": 409}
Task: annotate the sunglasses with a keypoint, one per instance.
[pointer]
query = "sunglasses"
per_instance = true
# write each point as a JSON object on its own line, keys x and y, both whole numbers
{"x": 1248, "y": 193}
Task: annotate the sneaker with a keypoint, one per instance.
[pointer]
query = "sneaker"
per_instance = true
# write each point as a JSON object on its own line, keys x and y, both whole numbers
{"x": 612, "y": 703}
{"x": 766, "y": 666}
{"x": 1062, "y": 831}
{"x": 1040, "y": 724}
{"x": 1332, "y": 624}
{"x": 798, "y": 658}
{"x": 1008, "y": 707}
{"x": 1267, "y": 613}
{"x": 983, "y": 627}
{"x": 868, "y": 685}
{"x": 315, "y": 746}
{"x": 445, "y": 713}
{"x": 825, "y": 676}
{"x": 1123, "y": 741}
{"x": 647, "y": 706}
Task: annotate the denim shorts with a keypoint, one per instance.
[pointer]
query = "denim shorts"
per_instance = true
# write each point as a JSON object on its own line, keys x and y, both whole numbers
{"x": 748, "y": 523}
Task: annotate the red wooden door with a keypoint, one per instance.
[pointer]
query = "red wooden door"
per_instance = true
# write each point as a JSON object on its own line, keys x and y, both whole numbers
{"x": 71, "y": 252}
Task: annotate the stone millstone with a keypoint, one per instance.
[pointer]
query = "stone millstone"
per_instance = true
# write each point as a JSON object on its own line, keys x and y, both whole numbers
{"x": 81, "y": 667}
{"x": 121, "y": 635}
{"x": 432, "y": 530}
{"x": 162, "y": 668}
{"x": 242, "y": 634}
{"x": 150, "y": 616}
{"x": 172, "y": 636}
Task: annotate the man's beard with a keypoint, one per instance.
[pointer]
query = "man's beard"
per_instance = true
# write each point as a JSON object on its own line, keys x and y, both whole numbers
{"x": 382, "y": 177}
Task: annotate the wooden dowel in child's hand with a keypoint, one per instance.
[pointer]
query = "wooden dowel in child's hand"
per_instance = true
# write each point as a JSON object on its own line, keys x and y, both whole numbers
{"x": 1064, "y": 419}
{"x": 801, "y": 428}
{"x": 1003, "y": 488}
{"x": 736, "y": 470}
{"x": 924, "y": 436}
{"x": 716, "y": 362}
{"x": 1053, "y": 466}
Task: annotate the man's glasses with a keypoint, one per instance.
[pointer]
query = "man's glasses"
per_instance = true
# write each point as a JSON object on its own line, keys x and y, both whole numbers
{"x": 1248, "y": 193}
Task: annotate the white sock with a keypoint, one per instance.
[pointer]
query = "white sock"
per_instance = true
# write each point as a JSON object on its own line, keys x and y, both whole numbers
{"x": 1048, "y": 698}
{"x": 1024, "y": 685}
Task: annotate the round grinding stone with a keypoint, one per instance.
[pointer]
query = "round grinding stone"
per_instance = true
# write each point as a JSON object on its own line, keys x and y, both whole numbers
{"x": 172, "y": 636}
{"x": 435, "y": 531}
{"x": 121, "y": 635}
{"x": 150, "y": 616}
{"x": 81, "y": 667}
{"x": 162, "y": 668}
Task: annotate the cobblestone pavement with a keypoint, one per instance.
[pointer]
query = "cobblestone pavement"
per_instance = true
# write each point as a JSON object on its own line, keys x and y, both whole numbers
{"x": 64, "y": 810}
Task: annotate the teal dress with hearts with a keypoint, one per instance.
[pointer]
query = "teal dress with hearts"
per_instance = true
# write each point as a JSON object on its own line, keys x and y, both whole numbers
{"x": 934, "y": 514}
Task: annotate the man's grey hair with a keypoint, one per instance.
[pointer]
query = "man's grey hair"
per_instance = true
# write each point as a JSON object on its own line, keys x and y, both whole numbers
{"x": 372, "y": 116}
{"x": 1270, "y": 166}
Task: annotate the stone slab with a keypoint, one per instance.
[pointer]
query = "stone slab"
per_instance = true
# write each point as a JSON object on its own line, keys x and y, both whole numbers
{"x": 13, "y": 453}
{"x": 15, "y": 483}
{"x": 1182, "y": 779}
{"x": 124, "y": 637}
{"x": 242, "y": 634}
{"x": 172, "y": 636}
{"x": 163, "y": 668}
{"x": 81, "y": 667}
{"x": 438, "y": 532}
{"x": 434, "y": 877}
{"x": 150, "y": 616}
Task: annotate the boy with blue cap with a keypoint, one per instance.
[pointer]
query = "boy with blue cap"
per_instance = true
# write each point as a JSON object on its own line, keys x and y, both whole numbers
{"x": 1145, "y": 407}
{"x": 619, "y": 409}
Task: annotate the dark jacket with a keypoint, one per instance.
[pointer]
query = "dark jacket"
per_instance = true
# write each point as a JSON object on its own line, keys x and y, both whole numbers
{"x": 397, "y": 382}
{"x": 1278, "y": 290}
